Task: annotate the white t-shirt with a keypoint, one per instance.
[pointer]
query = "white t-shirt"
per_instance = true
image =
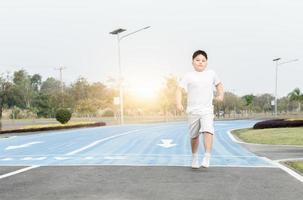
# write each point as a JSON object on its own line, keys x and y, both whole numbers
{"x": 200, "y": 88}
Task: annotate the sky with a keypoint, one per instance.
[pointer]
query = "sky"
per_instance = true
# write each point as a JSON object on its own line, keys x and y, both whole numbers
{"x": 241, "y": 37}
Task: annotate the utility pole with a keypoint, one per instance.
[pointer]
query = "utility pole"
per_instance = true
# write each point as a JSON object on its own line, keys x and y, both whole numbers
{"x": 61, "y": 81}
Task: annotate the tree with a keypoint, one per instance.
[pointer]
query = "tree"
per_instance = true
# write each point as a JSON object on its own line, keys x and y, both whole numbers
{"x": 297, "y": 96}
{"x": 36, "y": 81}
{"x": 49, "y": 98}
{"x": 167, "y": 96}
{"x": 262, "y": 103}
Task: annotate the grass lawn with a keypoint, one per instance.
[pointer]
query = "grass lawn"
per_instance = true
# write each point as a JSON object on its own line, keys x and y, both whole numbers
{"x": 289, "y": 136}
{"x": 297, "y": 165}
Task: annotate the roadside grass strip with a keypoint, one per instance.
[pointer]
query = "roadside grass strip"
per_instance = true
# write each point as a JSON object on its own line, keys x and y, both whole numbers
{"x": 278, "y": 136}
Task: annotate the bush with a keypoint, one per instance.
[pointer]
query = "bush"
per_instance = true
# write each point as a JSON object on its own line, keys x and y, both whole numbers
{"x": 63, "y": 116}
{"x": 278, "y": 123}
{"x": 108, "y": 113}
{"x": 18, "y": 113}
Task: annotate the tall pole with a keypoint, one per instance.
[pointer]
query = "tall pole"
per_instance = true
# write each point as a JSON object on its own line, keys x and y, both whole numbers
{"x": 276, "y": 87}
{"x": 120, "y": 84}
{"x": 117, "y": 32}
{"x": 276, "y": 81}
{"x": 61, "y": 81}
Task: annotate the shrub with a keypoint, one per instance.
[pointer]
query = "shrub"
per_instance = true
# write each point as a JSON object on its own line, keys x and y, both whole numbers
{"x": 108, "y": 113}
{"x": 63, "y": 115}
{"x": 278, "y": 123}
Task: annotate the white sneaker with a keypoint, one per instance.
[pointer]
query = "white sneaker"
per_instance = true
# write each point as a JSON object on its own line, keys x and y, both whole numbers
{"x": 205, "y": 161}
{"x": 195, "y": 163}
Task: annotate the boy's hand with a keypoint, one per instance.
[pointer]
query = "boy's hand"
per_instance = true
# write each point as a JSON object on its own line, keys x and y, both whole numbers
{"x": 180, "y": 107}
{"x": 219, "y": 98}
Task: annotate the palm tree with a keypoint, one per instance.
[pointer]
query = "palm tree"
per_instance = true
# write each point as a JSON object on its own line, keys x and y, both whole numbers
{"x": 297, "y": 96}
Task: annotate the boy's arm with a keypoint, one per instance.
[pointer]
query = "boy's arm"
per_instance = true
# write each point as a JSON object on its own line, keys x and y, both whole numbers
{"x": 179, "y": 99}
{"x": 219, "y": 92}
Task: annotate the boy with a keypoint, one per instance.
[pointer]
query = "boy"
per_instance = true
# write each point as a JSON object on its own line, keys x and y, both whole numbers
{"x": 199, "y": 85}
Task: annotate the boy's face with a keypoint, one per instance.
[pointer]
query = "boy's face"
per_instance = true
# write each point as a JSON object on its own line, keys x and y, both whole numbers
{"x": 200, "y": 63}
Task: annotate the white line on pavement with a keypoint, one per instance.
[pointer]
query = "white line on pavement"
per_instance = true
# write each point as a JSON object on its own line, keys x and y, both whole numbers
{"x": 18, "y": 171}
{"x": 70, "y": 153}
{"x": 286, "y": 169}
{"x": 99, "y": 141}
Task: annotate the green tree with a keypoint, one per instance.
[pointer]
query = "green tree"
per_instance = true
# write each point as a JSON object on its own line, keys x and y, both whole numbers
{"x": 6, "y": 93}
{"x": 249, "y": 99}
{"x": 49, "y": 98}
{"x": 297, "y": 96}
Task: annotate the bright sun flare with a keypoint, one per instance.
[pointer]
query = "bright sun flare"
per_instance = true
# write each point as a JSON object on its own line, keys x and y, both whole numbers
{"x": 144, "y": 92}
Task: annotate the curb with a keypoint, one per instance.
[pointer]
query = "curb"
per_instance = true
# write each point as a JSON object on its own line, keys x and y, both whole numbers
{"x": 53, "y": 128}
{"x": 275, "y": 163}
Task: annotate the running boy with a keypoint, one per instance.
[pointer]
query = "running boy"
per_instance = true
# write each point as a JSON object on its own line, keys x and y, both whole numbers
{"x": 199, "y": 85}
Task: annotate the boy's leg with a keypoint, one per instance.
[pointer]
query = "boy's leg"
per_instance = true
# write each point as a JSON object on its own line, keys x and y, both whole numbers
{"x": 194, "y": 148}
{"x": 194, "y": 127}
{"x": 194, "y": 145}
{"x": 208, "y": 130}
{"x": 208, "y": 142}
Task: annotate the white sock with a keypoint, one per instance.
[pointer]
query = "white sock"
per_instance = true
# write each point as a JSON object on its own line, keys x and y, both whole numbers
{"x": 206, "y": 154}
{"x": 195, "y": 155}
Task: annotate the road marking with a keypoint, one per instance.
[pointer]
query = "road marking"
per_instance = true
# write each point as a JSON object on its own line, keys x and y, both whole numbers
{"x": 88, "y": 158}
{"x": 167, "y": 143}
{"x": 286, "y": 169}
{"x": 115, "y": 157}
{"x": 23, "y": 145}
{"x": 70, "y": 153}
{"x": 99, "y": 141}
{"x": 7, "y": 159}
{"x": 31, "y": 158}
{"x": 18, "y": 171}
{"x": 62, "y": 158}
{"x": 275, "y": 163}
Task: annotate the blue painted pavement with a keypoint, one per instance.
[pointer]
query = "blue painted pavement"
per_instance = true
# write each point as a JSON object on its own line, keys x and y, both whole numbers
{"x": 162, "y": 144}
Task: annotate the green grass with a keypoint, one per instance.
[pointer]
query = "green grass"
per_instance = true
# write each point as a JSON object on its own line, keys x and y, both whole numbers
{"x": 297, "y": 165}
{"x": 288, "y": 136}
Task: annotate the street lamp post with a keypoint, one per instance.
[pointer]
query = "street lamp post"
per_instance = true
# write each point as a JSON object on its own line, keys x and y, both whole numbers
{"x": 117, "y": 32}
{"x": 276, "y": 80}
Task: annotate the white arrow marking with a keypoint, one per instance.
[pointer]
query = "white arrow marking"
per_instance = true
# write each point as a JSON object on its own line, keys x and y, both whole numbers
{"x": 167, "y": 143}
{"x": 23, "y": 145}
{"x": 88, "y": 158}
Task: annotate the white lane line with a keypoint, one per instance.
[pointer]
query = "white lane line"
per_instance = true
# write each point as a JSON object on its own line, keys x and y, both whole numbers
{"x": 18, "y": 171}
{"x": 275, "y": 163}
{"x": 62, "y": 158}
{"x": 99, "y": 141}
{"x": 286, "y": 169}
{"x": 115, "y": 157}
{"x": 23, "y": 145}
{"x": 7, "y": 159}
{"x": 31, "y": 158}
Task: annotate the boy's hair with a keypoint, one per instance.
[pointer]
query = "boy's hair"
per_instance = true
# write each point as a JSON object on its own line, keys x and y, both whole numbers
{"x": 200, "y": 52}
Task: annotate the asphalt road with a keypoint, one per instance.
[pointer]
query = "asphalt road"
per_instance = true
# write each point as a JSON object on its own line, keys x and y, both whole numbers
{"x": 136, "y": 162}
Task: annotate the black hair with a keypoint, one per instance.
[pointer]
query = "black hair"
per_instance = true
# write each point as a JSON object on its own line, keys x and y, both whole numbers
{"x": 200, "y": 52}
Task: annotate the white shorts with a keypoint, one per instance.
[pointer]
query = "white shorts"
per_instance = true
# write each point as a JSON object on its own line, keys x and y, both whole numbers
{"x": 200, "y": 123}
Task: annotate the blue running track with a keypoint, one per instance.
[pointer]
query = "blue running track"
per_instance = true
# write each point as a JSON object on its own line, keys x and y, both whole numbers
{"x": 163, "y": 144}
